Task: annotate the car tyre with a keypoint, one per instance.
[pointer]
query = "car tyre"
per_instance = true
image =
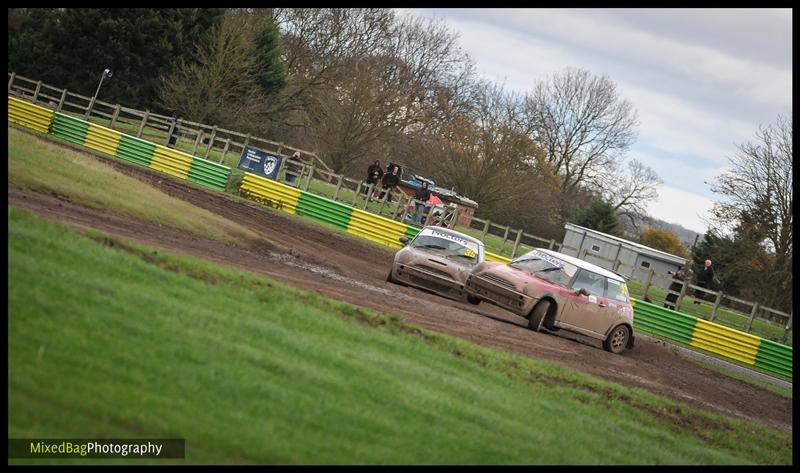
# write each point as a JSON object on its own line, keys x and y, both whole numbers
{"x": 389, "y": 277}
{"x": 537, "y": 315}
{"x": 617, "y": 340}
{"x": 473, "y": 300}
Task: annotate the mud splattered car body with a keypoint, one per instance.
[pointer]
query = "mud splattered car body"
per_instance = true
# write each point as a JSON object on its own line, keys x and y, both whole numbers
{"x": 557, "y": 291}
{"x": 438, "y": 260}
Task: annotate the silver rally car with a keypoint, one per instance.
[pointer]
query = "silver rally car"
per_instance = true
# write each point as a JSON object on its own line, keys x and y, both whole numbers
{"x": 438, "y": 260}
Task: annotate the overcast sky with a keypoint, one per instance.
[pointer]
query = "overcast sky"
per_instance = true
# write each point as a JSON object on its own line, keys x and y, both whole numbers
{"x": 702, "y": 80}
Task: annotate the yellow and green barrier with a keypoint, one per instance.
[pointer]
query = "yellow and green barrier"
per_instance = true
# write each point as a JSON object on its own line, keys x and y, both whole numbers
{"x": 357, "y": 222}
{"x": 29, "y": 115}
{"x": 134, "y": 150}
{"x": 708, "y": 336}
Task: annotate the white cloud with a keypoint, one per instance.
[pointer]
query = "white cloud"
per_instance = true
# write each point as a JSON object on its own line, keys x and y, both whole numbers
{"x": 684, "y": 208}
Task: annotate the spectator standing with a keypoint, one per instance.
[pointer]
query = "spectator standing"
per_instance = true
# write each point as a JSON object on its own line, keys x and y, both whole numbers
{"x": 704, "y": 279}
{"x": 293, "y": 167}
{"x": 389, "y": 181}
{"x": 374, "y": 175}
{"x": 421, "y": 196}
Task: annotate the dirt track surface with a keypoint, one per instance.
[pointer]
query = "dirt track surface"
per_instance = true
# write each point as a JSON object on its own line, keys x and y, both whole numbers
{"x": 339, "y": 266}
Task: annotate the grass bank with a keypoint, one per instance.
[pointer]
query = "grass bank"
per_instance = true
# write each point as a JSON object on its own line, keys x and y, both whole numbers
{"x": 110, "y": 339}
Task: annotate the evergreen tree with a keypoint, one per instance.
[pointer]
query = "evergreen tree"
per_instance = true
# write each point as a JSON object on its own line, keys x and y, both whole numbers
{"x": 599, "y": 215}
{"x": 271, "y": 76}
{"x": 70, "y": 47}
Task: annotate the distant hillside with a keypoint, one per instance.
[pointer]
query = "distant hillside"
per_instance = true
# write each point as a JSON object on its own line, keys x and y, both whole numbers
{"x": 686, "y": 236}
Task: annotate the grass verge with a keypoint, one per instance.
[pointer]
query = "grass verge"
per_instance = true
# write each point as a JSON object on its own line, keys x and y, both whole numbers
{"x": 110, "y": 339}
{"x": 37, "y": 164}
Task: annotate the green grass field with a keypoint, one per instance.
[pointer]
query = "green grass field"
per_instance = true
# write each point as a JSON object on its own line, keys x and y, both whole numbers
{"x": 110, "y": 339}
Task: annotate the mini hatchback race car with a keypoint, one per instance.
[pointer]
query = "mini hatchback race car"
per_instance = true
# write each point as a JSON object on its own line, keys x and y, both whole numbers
{"x": 556, "y": 291}
{"x": 438, "y": 260}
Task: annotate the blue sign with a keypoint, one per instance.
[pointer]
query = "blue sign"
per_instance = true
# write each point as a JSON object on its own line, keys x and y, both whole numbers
{"x": 260, "y": 162}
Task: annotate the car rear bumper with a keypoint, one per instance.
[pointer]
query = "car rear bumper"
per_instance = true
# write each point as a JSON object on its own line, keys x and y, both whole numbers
{"x": 504, "y": 297}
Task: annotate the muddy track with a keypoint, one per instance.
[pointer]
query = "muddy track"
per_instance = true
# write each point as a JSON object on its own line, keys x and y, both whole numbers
{"x": 339, "y": 266}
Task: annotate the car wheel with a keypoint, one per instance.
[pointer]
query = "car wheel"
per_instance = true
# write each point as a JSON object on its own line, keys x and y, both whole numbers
{"x": 389, "y": 277}
{"x": 473, "y": 300}
{"x": 537, "y": 315}
{"x": 617, "y": 339}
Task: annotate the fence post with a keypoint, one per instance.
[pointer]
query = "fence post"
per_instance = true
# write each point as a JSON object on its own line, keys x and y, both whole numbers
{"x": 338, "y": 188}
{"x": 197, "y": 141}
{"x": 396, "y": 212}
{"x": 582, "y": 254}
{"x": 225, "y": 150}
{"x": 144, "y": 122}
{"x": 717, "y": 302}
{"x": 115, "y": 115}
{"x": 505, "y": 237}
{"x": 368, "y": 196}
{"x": 383, "y": 202}
{"x": 63, "y": 99}
{"x": 308, "y": 180}
{"x": 170, "y": 132}
{"x": 516, "y": 244}
{"x": 11, "y": 81}
{"x": 485, "y": 230}
{"x": 36, "y": 92}
{"x": 211, "y": 141}
{"x": 647, "y": 284}
{"x": 617, "y": 263}
{"x": 552, "y": 244}
{"x": 752, "y": 315}
{"x": 684, "y": 287}
{"x": 787, "y": 327}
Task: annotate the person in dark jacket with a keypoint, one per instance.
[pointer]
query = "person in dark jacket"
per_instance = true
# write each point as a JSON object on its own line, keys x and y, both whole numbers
{"x": 704, "y": 279}
{"x": 421, "y": 196}
{"x": 374, "y": 175}
{"x": 389, "y": 181}
{"x": 292, "y": 167}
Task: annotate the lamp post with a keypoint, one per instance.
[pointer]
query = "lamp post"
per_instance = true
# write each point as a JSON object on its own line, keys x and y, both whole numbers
{"x": 106, "y": 73}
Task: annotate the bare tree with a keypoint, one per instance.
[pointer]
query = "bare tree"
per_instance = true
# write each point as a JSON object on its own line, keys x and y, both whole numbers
{"x": 629, "y": 193}
{"x": 363, "y": 77}
{"x": 758, "y": 187}
{"x": 485, "y": 155}
{"x": 583, "y": 125}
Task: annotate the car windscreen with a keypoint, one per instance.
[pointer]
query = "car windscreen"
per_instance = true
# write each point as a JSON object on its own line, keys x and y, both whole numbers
{"x": 548, "y": 268}
{"x": 464, "y": 252}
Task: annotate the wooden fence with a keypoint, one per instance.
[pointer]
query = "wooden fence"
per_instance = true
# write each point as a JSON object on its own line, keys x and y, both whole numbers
{"x": 148, "y": 125}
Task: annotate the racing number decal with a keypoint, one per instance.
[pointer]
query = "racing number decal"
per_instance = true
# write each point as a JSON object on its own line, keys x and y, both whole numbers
{"x": 469, "y": 253}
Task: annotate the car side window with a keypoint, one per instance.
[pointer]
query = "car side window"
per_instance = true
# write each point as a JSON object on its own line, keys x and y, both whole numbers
{"x": 592, "y": 282}
{"x": 617, "y": 291}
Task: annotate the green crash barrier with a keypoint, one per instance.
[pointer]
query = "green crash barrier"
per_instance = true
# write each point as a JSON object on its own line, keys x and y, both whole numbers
{"x": 775, "y": 357}
{"x": 135, "y": 150}
{"x": 708, "y": 336}
{"x": 69, "y": 128}
{"x": 324, "y": 210}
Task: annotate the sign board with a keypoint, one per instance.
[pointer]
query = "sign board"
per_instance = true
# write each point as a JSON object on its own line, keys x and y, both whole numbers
{"x": 260, "y": 162}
